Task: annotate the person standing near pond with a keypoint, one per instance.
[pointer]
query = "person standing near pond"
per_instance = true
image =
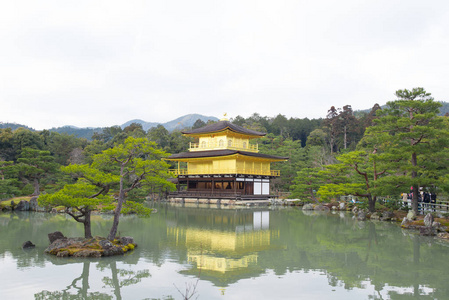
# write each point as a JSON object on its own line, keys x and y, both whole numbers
{"x": 433, "y": 200}
{"x": 404, "y": 198}
{"x": 426, "y": 200}
{"x": 409, "y": 199}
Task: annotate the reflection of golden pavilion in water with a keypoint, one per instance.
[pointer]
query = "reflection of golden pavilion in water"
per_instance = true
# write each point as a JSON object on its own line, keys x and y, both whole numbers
{"x": 226, "y": 253}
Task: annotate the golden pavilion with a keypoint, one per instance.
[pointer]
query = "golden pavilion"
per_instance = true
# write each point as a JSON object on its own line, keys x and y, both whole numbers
{"x": 224, "y": 164}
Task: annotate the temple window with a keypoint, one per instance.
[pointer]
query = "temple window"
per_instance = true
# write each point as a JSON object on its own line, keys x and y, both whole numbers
{"x": 221, "y": 143}
{"x": 229, "y": 143}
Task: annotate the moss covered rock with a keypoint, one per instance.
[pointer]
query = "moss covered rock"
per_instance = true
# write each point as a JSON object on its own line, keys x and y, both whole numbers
{"x": 94, "y": 247}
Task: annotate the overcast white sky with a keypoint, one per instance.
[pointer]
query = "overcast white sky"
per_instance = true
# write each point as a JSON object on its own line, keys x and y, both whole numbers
{"x": 102, "y": 63}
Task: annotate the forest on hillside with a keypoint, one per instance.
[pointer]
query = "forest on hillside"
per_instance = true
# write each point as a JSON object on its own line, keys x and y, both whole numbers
{"x": 289, "y": 137}
{"x": 311, "y": 145}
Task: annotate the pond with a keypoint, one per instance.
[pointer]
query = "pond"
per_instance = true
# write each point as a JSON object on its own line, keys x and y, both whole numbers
{"x": 227, "y": 253}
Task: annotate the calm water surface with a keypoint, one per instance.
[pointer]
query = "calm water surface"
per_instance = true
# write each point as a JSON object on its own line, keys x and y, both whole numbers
{"x": 227, "y": 254}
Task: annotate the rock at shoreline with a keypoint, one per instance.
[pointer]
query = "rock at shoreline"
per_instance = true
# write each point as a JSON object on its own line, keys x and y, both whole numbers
{"x": 427, "y": 231}
{"x": 428, "y": 220}
{"x": 388, "y": 215}
{"x": 361, "y": 216}
{"x": 443, "y": 235}
{"x": 126, "y": 240}
{"x": 375, "y": 216}
{"x": 113, "y": 251}
{"x": 321, "y": 208}
{"x": 307, "y": 207}
{"x": 55, "y": 236}
{"x": 406, "y": 222}
{"x": 23, "y": 206}
{"x": 106, "y": 244}
{"x": 342, "y": 206}
{"x": 86, "y": 253}
{"x": 438, "y": 226}
{"x": 34, "y": 205}
{"x": 411, "y": 215}
{"x": 28, "y": 245}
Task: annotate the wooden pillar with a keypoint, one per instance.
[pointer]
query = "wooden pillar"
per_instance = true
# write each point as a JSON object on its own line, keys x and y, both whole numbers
{"x": 235, "y": 185}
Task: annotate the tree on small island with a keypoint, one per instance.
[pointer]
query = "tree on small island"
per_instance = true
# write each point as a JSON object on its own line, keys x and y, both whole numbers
{"x": 88, "y": 193}
{"x": 135, "y": 164}
{"x": 138, "y": 164}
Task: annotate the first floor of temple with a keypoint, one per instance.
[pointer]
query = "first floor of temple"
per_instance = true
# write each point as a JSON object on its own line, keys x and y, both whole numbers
{"x": 224, "y": 186}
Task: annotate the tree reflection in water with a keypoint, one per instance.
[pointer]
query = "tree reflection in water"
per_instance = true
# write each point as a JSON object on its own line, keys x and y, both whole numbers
{"x": 122, "y": 277}
{"x": 79, "y": 288}
{"x": 82, "y": 290}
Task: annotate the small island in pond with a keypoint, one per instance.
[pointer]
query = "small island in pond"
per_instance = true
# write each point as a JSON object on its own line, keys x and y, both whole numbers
{"x": 62, "y": 246}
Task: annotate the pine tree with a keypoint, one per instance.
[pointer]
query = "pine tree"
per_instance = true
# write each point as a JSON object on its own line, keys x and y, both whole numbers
{"x": 412, "y": 138}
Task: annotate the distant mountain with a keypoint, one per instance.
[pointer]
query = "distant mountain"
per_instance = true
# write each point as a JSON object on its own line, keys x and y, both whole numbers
{"x": 186, "y": 121}
{"x": 78, "y": 132}
{"x": 145, "y": 125}
{"x": 180, "y": 123}
{"x": 14, "y": 126}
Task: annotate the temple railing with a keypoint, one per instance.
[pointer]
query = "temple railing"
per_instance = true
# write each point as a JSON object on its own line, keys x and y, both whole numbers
{"x": 216, "y": 146}
{"x": 275, "y": 173}
{"x": 217, "y": 194}
{"x": 206, "y": 194}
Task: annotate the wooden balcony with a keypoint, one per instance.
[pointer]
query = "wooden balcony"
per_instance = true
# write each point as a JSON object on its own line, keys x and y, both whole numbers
{"x": 217, "y": 194}
{"x": 275, "y": 173}
{"x": 216, "y": 146}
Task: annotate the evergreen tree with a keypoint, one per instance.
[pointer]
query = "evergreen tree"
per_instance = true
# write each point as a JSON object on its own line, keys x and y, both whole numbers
{"x": 8, "y": 179}
{"x": 412, "y": 139}
{"x": 160, "y": 136}
{"x": 35, "y": 165}
{"x": 79, "y": 200}
{"x": 198, "y": 124}
{"x": 349, "y": 126}
{"x": 360, "y": 172}
{"x": 7, "y": 151}
{"x": 307, "y": 182}
{"x": 331, "y": 128}
{"x": 137, "y": 162}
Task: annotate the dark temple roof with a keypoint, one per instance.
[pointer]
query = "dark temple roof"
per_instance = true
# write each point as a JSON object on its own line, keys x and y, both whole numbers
{"x": 223, "y": 125}
{"x": 226, "y": 152}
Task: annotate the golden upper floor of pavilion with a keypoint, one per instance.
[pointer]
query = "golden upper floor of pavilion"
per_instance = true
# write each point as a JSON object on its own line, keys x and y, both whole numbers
{"x": 224, "y": 148}
{"x": 223, "y": 135}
